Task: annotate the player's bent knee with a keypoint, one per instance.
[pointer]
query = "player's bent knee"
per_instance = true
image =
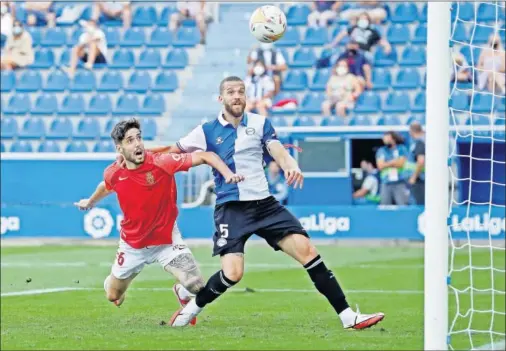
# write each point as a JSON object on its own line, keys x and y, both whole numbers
{"x": 235, "y": 274}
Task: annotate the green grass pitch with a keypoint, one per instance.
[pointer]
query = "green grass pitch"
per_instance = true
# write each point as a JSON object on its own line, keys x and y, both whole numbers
{"x": 279, "y": 310}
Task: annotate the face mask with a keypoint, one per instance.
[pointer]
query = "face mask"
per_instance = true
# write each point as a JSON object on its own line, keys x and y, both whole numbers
{"x": 3, "y": 10}
{"x": 258, "y": 70}
{"x": 17, "y": 30}
{"x": 363, "y": 23}
{"x": 341, "y": 70}
{"x": 266, "y": 46}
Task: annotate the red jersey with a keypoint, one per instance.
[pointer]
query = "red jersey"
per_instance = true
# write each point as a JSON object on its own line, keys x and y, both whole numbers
{"x": 147, "y": 196}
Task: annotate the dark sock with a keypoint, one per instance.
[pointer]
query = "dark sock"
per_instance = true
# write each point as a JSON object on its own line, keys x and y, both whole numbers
{"x": 326, "y": 283}
{"x": 216, "y": 285}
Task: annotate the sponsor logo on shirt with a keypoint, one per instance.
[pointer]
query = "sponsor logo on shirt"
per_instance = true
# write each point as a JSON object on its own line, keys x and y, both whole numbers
{"x": 250, "y": 131}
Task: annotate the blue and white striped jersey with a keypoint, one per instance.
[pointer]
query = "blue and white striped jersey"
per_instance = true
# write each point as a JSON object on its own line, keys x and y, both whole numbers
{"x": 242, "y": 149}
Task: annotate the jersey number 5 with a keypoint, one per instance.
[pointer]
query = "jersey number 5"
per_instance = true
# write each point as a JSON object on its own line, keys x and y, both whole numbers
{"x": 224, "y": 230}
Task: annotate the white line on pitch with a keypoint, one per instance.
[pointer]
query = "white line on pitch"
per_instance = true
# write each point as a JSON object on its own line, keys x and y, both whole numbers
{"x": 500, "y": 345}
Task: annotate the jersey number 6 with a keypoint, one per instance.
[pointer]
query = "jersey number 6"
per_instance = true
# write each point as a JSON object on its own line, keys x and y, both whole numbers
{"x": 120, "y": 258}
{"x": 224, "y": 230}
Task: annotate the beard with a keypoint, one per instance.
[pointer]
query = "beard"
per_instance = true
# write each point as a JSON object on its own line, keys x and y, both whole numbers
{"x": 134, "y": 158}
{"x": 235, "y": 110}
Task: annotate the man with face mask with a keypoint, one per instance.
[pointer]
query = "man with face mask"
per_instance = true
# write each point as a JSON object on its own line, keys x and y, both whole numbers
{"x": 6, "y": 20}
{"x": 259, "y": 90}
{"x": 18, "y": 49}
{"x": 357, "y": 63}
{"x": 274, "y": 60}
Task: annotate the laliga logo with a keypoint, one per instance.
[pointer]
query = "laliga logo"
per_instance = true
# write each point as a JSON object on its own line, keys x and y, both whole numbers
{"x": 477, "y": 223}
{"x": 328, "y": 225}
{"x": 98, "y": 223}
{"x": 9, "y": 224}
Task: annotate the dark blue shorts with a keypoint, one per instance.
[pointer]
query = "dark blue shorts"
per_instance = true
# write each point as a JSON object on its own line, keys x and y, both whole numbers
{"x": 236, "y": 221}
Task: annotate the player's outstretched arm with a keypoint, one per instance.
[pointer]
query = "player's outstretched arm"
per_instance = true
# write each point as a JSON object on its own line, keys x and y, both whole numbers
{"x": 173, "y": 149}
{"x": 213, "y": 160}
{"x": 293, "y": 174}
{"x": 99, "y": 194}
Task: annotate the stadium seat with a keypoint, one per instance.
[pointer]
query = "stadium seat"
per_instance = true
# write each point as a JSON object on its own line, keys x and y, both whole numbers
{"x": 333, "y": 121}
{"x": 278, "y": 121}
{"x": 2, "y": 147}
{"x": 407, "y": 79}
{"x": 99, "y": 105}
{"x": 7, "y": 82}
{"x": 500, "y": 121}
{"x": 73, "y": 39}
{"x": 297, "y": 15}
{"x": 148, "y": 128}
{"x": 383, "y": 60}
{"x": 111, "y": 82}
{"x": 459, "y": 101}
{"x": 84, "y": 81}
{"x": 30, "y": 81}
{"x": 160, "y": 37}
{"x": 64, "y": 60}
{"x": 460, "y": 33}
{"x": 420, "y": 34}
{"x": 487, "y": 11}
{"x": 389, "y": 121}
{"x": 72, "y": 105}
{"x": 44, "y": 58}
{"x": 54, "y": 37}
{"x": 404, "y": 13}
{"x": 144, "y": 16}
{"x": 109, "y": 125}
{"x": 320, "y": 79}
{"x": 368, "y": 102}
{"x": 139, "y": 82}
{"x": 163, "y": 20}
{"x": 312, "y": 103}
{"x": 104, "y": 146}
{"x": 290, "y": 39}
{"x": 481, "y": 34}
{"x": 76, "y": 146}
{"x": 176, "y": 59}
{"x": 127, "y": 105}
{"x": 21, "y": 146}
{"x": 304, "y": 121}
{"x": 18, "y": 104}
{"x": 416, "y": 118}
{"x": 186, "y": 37}
{"x": 419, "y": 103}
{"x": 165, "y": 82}
{"x": 48, "y": 146}
{"x": 86, "y": 14}
{"x": 423, "y": 14}
{"x": 33, "y": 128}
{"x": 57, "y": 81}
{"x": 9, "y": 128}
{"x": 464, "y": 11}
{"x": 112, "y": 36}
{"x": 149, "y": 59}
{"x": 122, "y": 59}
{"x": 303, "y": 58}
{"x": 381, "y": 79}
{"x": 361, "y": 120}
{"x": 500, "y": 102}
{"x": 153, "y": 105}
{"x": 413, "y": 56}
{"x": 478, "y": 120}
{"x": 46, "y": 104}
{"x": 88, "y": 128}
{"x": 315, "y": 37}
{"x": 398, "y": 34}
{"x": 396, "y": 103}
{"x": 482, "y": 102}
{"x": 36, "y": 35}
{"x": 133, "y": 37}
{"x": 295, "y": 81}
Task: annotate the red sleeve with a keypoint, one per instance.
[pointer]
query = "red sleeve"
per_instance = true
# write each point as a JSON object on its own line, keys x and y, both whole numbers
{"x": 109, "y": 176}
{"x": 173, "y": 163}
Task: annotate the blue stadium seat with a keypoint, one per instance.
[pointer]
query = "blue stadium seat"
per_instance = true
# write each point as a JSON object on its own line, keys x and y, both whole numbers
{"x": 36, "y": 35}
{"x": 419, "y": 103}
{"x": 46, "y": 104}
{"x": 487, "y": 11}
{"x": 463, "y": 10}
{"x": 126, "y": 105}
{"x": 297, "y": 15}
{"x": 165, "y": 82}
{"x": 33, "y": 128}
{"x": 72, "y": 105}
{"x": 160, "y": 37}
{"x": 312, "y": 103}
{"x": 104, "y": 146}
{"x": 122, "y": 59}
{"x": 18, "y": 105}
{"x": 481, "y": 34}
{"x": 153, "y": 105}
{"x": 360, "y": 120}
{"x": 295, "y": 81}
{"x": 148, "y": 126}
{"x": 320, "y": 79}
{"x": 2, "y": 147}
{"x": 423, "y": 14}
{"x": 60, "y": 128}
{"x": 54, "y": 37}
{"x": 368, "y": 102}
{"x": 133, "y": 37}
{"x": 111, "y": 82}
{"x": 383, "y": 60}
{"x": 416, "y": 118}
{"x": 176, "y": 59}
{"x": 144, "y": 16}
{"x": 44, "y": 58}
{"x": 404, "y": 13}
{"x": 73, "y": 39}
{"x": 186, "y": 37}
{"x": 500, "y": 121}
{"x": 76, "y": 146}
{"x": 413, "y": 56}
{"x": 88, "y": 128}
{"x": 389, "y": 121}
{"x": 139, "y": 82}
{"x": 396, "y": 103}
{"x": 381, "y": 79}
{"x": 315, "y": 37}
{"x": 9, "y": 128}
{"x": 303, "y": 58}
{"x": 84, "y": 81}
{"x": 21, "y": 146}
{"x": 304, "y": 121}
{"x": 112, "y": 37}
{"x": 459, "y": 101}
{"x": 407, "y": 79}
{"x": 500, "y": 104}
{"x": 99, "y": 105}
{"x": 86, "y": 14}
{"x": 460, "y": 33}
{"x": 29, "y": 81}
{"x": 64, "y": 60}
{"x": 478, "y": 120}
{"x": 109, "y": 125}
{"x": 49, "y": 146}
{"x": 482, "y": 102}
{"x": 7, "y": 82}
{"x": 57, "y": 81}
{"x": 291, "y": 38}
{"x": 420, "y": 34}
{"x": 398, "y": 34}
{"x": 278, "y": 121}
{"x": 333, "y": 121}
{"x": 149, "y": 59}
{"x": 163, "y": 20}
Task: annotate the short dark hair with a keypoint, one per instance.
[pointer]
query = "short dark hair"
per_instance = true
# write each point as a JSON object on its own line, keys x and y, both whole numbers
{"x": 396, "y": 136}
{"x": 416, "y": 127}
{"x": 121, "y": 128}
{"x": 229, "y": 79}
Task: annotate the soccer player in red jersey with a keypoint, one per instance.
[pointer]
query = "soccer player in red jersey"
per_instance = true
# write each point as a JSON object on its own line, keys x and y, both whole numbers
{"x": 146, "y": 191}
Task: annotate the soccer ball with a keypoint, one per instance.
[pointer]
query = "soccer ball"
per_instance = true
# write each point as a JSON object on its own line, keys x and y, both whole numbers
{"x": 267, "y": 24}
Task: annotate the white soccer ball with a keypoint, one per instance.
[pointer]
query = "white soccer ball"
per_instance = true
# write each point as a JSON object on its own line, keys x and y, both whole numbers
{"x": 267, "y": 24}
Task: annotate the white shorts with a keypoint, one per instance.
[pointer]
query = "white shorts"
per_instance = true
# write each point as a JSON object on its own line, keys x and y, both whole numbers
{"x": 131, "y": 261}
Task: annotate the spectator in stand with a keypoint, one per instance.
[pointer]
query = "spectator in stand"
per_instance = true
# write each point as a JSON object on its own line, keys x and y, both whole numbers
{"x": 358, "y": 64}
{"x": 104, "y": 10}
{"x": 91, "y": 48}
{"x": 191, "y": 10}
{"x": 40, "y": 13}
{"x": 364, "y": 35}
{"x": 259, "y": 89}
{"x": 368, "y": 192}
{"x": 6, "y": 20}
{"x": 375, "y": 9}
{"x": 391, "y": 159}
{"x": 18, "y": 52}
{"x": 277, "y": 182}
{"x": 274, "y": 60}
{"x": 323, "y": 12}
{"x": 343, "y": 88}
{"x": 461, "y": 71}
{"x": 492, "y": 67}
{"x": 416, "y": 163}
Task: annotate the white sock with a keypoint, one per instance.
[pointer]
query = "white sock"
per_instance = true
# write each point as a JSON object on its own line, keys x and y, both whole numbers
{"x": 184, "y": 293}
{"x": 192, "y": 307}
{"x": 348, "y": 316}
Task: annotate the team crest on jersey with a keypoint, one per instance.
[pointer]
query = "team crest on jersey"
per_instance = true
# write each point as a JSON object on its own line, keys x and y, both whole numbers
{"x": 150, "y": 179}
{"x": 221, "y": 242}
{"x": 176, "y": 157}
{"x": 219, "y": 140}
{"x": 250, "y": 131}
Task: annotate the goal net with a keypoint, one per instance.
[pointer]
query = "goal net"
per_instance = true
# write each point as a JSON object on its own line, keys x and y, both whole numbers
{"x": 476, "y": 225}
